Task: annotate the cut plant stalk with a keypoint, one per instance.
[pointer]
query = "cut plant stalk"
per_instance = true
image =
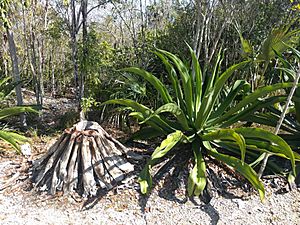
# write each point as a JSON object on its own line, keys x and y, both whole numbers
{"x": 84, "y": 159}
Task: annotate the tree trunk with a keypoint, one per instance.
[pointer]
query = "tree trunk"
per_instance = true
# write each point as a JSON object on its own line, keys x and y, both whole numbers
{"x": 83, "y": 72}
{"x": 84, "y": 159}
{"x": 16, "y": 72}
{"x": 74, "y": 46}
{"x": 84, "y": 47}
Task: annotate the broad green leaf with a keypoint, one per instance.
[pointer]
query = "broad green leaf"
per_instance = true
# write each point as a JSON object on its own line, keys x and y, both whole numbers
{"x": 12, "y": 138}
{"x": 141, "y": 117}
{"x": 197, "y": 76}
{"x": 209, "y": 101}
{"x": 248, "y": 100}
{"x": 175, "y": 110}
{"x": 258, "y": 160}
{"x": 130, "y": 103}
{"x": 269, "y": 119}
{"x": 227, "y": 134}
{"x": 253, "y": 155}
{"x": 173, "y": 78}
{"x": 144, "y": 110}
{"x": 258, "y": 133}
{"x": 186, "y": 81}
{"x": 157, "y": 84}
{"x": 239, "y": 85}
{"x": 167, "y": 144}
{"x": 197, "y": 177}
{"x": 243, "y": 168}
{"x": 275, "y": 42}
{"x": 245, "y": 112}
{"x": 7, "y": 112}
{"x": 145, "y": 179}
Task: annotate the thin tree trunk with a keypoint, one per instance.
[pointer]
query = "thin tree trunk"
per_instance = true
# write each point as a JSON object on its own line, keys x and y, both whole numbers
{"x": 16, "y": 72}
{"x": 74, "y": 49}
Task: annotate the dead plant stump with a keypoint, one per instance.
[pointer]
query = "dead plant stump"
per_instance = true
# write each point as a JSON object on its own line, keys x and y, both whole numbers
{"x": 83, "y": 159}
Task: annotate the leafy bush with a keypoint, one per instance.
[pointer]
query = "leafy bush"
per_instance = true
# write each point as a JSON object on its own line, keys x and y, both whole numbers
{"x": 200, "y": 115}
{"x": 270, "y": 117}
{"x": 8, "y": 136}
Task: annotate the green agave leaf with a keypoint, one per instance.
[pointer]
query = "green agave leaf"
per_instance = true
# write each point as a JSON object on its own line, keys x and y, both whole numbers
{"x": 209, "y": 100}
{"x": 289, "y": 121}
{"x": 253, "y": 155}
{"x": 216, "y": 70}
{"x": 175, "y": 110}
{"x": 261, "y": 134}
{"x": 197, "y": 76}
{"x": 290, "y": 72}
{"x": 269, "y": 119}
{"x": 210, "y": 79}
{"x": 271, "y": 149}
{"x": 155, "y": 120}
{"x": 159, "y": 86}
{"x": 260, "y": 147}
{"x": 295, "y": 51}
{"x": 186, "y": 81}
{"x": 140, "y": 117}
{"x": 130, "y": 103}
{"x": 248, "y": 100}
{"x": 242, "y": 168}
{"x": 12, "y": 138}
{"x": 227, "y": 134}
{"x": 167, "y": 144}
{"x": 145, "y": 179}
{"x": 258, "y": 160}
{"x": 137, "y": 115}
{"x": 197, "y": 177}
{"x": 244, "y": 113}
{"x": 7, "y": 112}
{"x": 239, "y": 85}
{"x": 173, "y": 78}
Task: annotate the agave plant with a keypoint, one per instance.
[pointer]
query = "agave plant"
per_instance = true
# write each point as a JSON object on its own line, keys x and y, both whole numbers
{"x": 201, "y": 117}
{"x": 6, "y": 135}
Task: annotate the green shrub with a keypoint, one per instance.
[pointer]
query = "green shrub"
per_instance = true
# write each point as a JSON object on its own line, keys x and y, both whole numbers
{"x": 5, "y": 134}
{"x": 201, "y": 115}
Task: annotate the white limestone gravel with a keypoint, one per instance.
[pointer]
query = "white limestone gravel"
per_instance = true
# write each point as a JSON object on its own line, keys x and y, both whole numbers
{"x": 126, "y": 208}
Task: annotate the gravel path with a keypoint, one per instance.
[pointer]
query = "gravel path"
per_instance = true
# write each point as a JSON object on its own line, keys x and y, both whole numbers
{"x": 128, "y": 207}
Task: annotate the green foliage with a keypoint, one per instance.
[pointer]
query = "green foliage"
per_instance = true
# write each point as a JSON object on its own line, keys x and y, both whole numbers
{"x": 6, "y": 135}
{"x": 4, "y": 7}
{"x": 99, "y": 60}
{"x": 199, "y": 115}
{"x": 291, "y": 72}
{"x": 88, "y": 103}
{"x": 276, "y": 42}
{"x": 290, "y": 125}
